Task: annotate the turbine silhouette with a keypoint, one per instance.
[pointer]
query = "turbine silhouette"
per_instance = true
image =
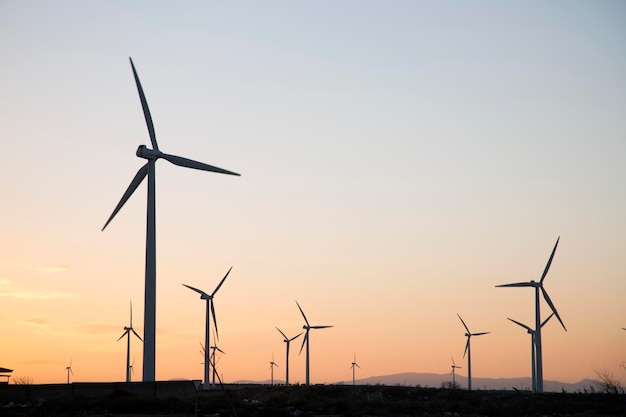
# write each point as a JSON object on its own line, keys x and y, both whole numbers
{"x": 532, "y": 348}
{"x": 287, "y": 342}
{"x": 69, "y": 370}
{"x": 538, "y": 286}
{"x": 127, "y": 331}
{"x": 307, "y": 327}
{"x": 354, "y": 364}
{"x": 468, "y": 351}
{"x": 272, "y": 365}
{"x": 210, "y": 311}
{"x": 148, "y": 170}
{"x": 454, "y": 367}
{"x": 213, "y": 361}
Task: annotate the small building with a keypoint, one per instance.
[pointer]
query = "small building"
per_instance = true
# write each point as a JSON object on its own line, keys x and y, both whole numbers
{"x": 5, "y": 373}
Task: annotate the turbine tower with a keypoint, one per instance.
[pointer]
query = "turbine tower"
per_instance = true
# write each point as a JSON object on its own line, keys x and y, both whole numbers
{"x": 210, "y": 311}
{"x": 538, "y": 286}
{"x": 69, "y": 370}
{"x": 354, "y": 364}
{"x": 454, "y": 367}
{"x": 152, "y": 155}
{"x": 468, "y": 351}
{"x": 307, "y": 327}
{"x": 272, "y": 365}
{"x": 532, "y": 348}
{"x": 127, "y": 331}
{"x": 287, "y": 342}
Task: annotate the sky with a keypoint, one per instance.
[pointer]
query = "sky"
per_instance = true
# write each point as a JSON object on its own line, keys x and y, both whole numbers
{"x": 398, "y": 160}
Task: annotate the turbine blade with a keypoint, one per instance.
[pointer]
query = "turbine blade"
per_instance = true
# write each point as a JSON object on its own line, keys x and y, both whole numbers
{"x": 281, "y": 332}
{"x": 306, "y": 336}
{"x": 146, "y": 110}
{"x": 521, "y": 324}
{"x": 141, "y": 174}
{"x": 466, "y": 346}
{"x": 480, "y": 334}
{"x": 214, "y": 319}
{"x": 547, "y": 298}
{"x": 320, "y": 327}
{"x": 517, "y": 284}
{"x": 545, "y": 271}
{"x": 296, "y": 336}
{"x": 220, "y": 350}
{"x": 196, "y": 290}
{"x": 221, "y": 282}
{"x": 131, "y": 314}
{"x": 464, "y": 325}
{"x": 123, "y": 334}
{"x": 546, "y": 320}
{"x": 189, "y": 163}
{"x": 306, "y": 321}
{"x": 135, "y": 333}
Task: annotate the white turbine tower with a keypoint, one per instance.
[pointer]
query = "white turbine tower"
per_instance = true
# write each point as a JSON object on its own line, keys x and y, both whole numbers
{"x": 307, "y": 327}
{"x": 287, "y": 342}
{"x": 152, "y": 155}
{"x": 127, "y": 331}
{"x": 210, "y": 311}
{"x": 468, "y": 351}
{"x": 538, "y": 286}
{"x": 454, "y": 367}
{"x": 272, "y": 365}
{"x": 353, "y": 366}
{"x": 532, "y": 348}
{"x": 69, "y": 370}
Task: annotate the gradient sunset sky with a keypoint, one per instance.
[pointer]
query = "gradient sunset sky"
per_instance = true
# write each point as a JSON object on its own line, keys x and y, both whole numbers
{"x": 399, "y": 159}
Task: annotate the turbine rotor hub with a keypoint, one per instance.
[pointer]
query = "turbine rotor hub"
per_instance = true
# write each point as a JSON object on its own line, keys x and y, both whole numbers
{"x": 144, "y": 152}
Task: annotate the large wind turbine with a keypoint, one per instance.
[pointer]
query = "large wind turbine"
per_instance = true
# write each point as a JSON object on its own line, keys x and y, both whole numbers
{"x": 152, "y": 155}
{"x": 468, "y": 351}
{"x": 69, "y": 369}
{"x": 213, "y": 361}
{"x": 127, "y": 331}
{"x": 287, "y": 342}
{"x": 531, "y": 332}
{"x": 210, "y": 311}
{"x": 354, "y": 364}
{"x": 539, "y": 286}
{"x": 307, "y": 327}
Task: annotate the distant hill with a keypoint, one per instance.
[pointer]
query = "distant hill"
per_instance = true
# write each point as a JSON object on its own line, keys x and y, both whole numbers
{"x": 427, "y": 380}
{"x": 435, "y": 381}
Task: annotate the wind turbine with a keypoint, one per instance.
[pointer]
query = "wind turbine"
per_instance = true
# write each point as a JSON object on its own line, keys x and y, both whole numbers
{"x": 532, "y": 348}
{"x": 210, "y": 311}
{"x": 469, "y": 352}
{"x": 307, "y": 327}
{"x": 454, "y": 367}
{"x": 538, "y": 286}
{"x": 132, "y": 369}
{"x": 354, "y": 364}
{"x": 272, "y": 365}
{"x": 69, "y": 370}
{"x": 152, "y": 155}
{"x": 213, "y": 363}
{"x": 127, "y": 331}
{"x": 287, "y": 342}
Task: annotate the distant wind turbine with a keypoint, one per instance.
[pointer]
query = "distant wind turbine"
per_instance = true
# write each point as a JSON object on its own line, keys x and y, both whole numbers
{"x": 132, "y": 370}
{"x": 210, "y": 311}
{"x": 127, "y": 331}
{"x": 152, "y": 155}
{"x": 354, "y": 364}
{"x": 287, "y": 342}
{"x": 468, "y": 351}
{"x": 307, "y": 327}
{"x": 532, "y": 348}
{"x": 272, "y": 365}
{"x": 69, "y": 370}
{"x": 454, "y": 367}
{"x": 538, "y": 286}
{"x": 214, "y": 362}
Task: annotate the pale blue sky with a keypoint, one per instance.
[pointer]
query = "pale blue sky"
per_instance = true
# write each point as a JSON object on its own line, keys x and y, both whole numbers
{"x": 410, "y": 153}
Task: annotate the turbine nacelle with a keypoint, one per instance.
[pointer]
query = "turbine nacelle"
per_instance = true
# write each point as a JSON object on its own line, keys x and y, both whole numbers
{"x": 144, "y": 152}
